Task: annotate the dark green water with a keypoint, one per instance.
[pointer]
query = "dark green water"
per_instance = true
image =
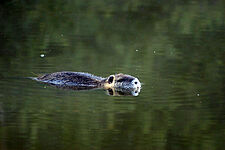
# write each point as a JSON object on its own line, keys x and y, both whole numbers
{"x": 176, "y": 49}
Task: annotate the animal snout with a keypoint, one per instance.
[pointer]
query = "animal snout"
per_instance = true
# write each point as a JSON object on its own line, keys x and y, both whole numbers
{"x": 136, "y": 84}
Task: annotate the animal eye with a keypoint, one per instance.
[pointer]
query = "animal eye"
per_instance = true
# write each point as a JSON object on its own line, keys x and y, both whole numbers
{"x": 135, "y": 82}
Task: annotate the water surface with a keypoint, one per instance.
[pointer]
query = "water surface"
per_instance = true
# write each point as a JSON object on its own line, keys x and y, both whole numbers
{"x": 176, "y": 49}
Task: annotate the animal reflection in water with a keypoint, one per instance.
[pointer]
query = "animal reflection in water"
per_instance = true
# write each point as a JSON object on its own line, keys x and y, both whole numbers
{"x": 118, "y": 84}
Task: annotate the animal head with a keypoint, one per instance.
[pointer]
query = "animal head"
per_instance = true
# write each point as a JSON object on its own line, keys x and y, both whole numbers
{"x": 122, "y": 81}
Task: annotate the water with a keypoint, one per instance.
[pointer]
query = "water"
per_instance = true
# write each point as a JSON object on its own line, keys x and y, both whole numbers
{"x": 176, "y": 49}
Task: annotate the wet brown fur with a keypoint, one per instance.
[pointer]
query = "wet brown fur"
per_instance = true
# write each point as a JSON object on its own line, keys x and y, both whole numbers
{"x": 66, "y": 78}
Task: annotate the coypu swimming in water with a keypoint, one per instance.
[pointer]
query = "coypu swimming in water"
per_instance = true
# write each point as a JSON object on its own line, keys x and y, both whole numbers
{"x": 88, "y": 81}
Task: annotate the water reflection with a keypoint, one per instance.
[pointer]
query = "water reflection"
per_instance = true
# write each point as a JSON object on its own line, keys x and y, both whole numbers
{"x": 109, "y": 91}
{"x": 123, "y": 92}
{"x": 175, "y": 48}
{"x": 1, "y": 115}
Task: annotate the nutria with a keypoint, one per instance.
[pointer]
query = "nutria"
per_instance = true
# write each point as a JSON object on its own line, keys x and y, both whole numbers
{"x": 80, "y": 79}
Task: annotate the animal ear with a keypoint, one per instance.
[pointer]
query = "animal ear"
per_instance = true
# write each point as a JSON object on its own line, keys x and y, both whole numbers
{"x": 111, "y": 78}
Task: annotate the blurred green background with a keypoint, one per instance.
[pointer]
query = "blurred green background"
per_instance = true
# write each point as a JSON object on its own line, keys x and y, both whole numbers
{"x": 175, "y": 48}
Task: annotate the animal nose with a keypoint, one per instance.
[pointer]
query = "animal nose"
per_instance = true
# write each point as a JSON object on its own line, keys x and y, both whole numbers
{"x": 138, "y": 85}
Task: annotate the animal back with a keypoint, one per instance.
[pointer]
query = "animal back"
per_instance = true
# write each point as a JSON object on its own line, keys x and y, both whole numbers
{"x": 71, "y": 79}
